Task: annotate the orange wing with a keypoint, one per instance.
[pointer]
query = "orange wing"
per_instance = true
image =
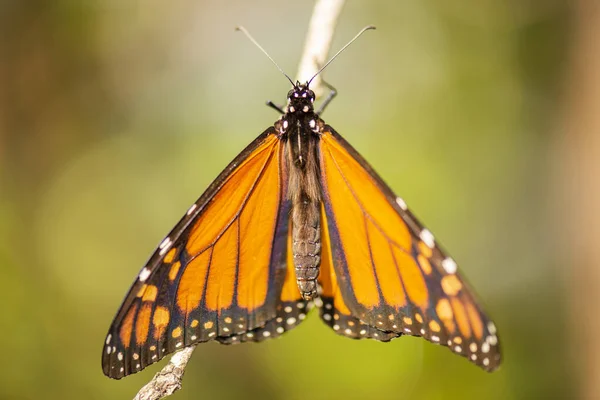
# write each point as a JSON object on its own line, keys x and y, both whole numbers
{"x": 219, "y": 274}
{"x": 382, "y": 273}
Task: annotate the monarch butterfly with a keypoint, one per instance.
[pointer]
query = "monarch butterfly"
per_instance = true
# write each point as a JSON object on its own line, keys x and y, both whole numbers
{"x": 297, "y": 219}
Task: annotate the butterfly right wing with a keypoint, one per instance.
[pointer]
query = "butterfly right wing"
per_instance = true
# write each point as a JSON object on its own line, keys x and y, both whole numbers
{"x": 387, "y": 275}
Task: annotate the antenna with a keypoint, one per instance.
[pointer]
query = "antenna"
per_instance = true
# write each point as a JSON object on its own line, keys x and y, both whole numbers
{"x": 245, "y": 32}
{"x": 363, "y": 30}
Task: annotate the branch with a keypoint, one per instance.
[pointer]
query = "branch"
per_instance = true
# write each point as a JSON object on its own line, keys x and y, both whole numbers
{"x": 168, "y": 380}
{"x": 318, "y": 41}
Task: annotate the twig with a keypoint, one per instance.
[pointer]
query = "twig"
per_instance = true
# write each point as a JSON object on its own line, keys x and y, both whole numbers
{"x": 318, "y": 41}
{"x": 168, "y": 380}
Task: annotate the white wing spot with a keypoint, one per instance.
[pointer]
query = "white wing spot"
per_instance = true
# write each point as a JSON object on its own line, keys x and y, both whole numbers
{"x": 280, "y": 329}
{"x": 473, "y": 357}
{"x": 473, "y": 347}
{"x": 427, "y": 238}
{"x": 164, "y": 243}
{"x": 194, "y": 337}
{"x": 285, "y": 124}
{"x": 449, "y": 265}
{"x": 120, "y": 356}
{"x": 107, "y": 349}
{"x": 288, "y": 309}
{"x": 348, "y": 331}
{"x": 493, "y": 340}
{"x": 435, "y": 338}
{"x": 250, "y": 335}
{"x": 401, "y": 203}
{"x": 486, "y": 361}
{"x": 363, "y": 331}
{"x": 108, "y": 338}
{"x": 458, "y": 349}
{"x": 327, "y": 317}
{"x": 266, "y": 333}
{"x": 305, "y": 109}
{"x": 336, "y": 327}
{"x": 301, "y": 316}
{"x": 144, "y": 274}
{"x": 485, "y": 347}
{"x": 491, "y": 328}
{"x": 191, "y": 209}
{"x": 291, "y": 321}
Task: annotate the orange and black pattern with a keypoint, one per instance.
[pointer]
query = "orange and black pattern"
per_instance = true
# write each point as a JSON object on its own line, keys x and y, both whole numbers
{"x": 389, "y": 277}
{"x": 298, "y": 202}
{"x": 221, "y": 274}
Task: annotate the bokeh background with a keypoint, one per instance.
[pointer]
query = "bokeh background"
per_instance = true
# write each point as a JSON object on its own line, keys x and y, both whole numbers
{"x": 116, "y": 115}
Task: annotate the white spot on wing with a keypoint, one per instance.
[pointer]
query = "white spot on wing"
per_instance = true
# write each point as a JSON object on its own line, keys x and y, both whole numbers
{"x": 427, "y": 238}
{"x": 485, "y": 347}
{"x": 401, "y": 203}
{"x": 144, "y": 274}
{"x": 449, "y": 265}
{"x": 164, "y": 243}
{"x": 108, "y": 338}
{"x": 191, "y": 209}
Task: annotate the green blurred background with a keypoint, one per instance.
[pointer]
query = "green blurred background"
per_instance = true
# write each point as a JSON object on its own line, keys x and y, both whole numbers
{"x": 116, "y": 115}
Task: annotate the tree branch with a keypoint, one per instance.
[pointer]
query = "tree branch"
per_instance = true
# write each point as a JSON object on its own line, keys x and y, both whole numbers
{"x": 318, "y": 42}
{"x": 168, "y": 380}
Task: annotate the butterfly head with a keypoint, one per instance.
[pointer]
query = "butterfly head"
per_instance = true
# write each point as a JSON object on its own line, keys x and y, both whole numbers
{"x": 300, "y": 99}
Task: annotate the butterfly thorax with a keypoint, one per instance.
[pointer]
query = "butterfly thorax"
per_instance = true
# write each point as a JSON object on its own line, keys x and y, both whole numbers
{"x": 300, "y": 127}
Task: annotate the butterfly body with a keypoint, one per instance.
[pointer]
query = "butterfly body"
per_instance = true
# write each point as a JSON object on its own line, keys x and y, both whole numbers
{"x": 299, "y": 128}
{"x": 297, "y": 219}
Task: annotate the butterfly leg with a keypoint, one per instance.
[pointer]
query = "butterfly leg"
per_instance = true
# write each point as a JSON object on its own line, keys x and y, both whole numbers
{"x": 330, "y": 96}
{"x": 275, "y": 107}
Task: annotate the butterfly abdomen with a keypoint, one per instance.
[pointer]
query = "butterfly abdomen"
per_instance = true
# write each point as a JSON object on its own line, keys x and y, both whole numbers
{"x": 306, "y": 246}
{"x": 305, "y": 195}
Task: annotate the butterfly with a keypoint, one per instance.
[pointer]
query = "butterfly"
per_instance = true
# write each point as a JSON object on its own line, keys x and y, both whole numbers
{"x": 298, "y": 219}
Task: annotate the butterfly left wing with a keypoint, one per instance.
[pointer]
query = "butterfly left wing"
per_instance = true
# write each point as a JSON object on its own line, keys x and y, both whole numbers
{"x": 220, "y": 273}
{"x": 383, "y": 275}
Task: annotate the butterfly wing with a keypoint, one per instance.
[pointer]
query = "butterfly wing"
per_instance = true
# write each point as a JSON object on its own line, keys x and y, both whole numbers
{"x": 219, "y": 274}
{"x": 383, "y": 274}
